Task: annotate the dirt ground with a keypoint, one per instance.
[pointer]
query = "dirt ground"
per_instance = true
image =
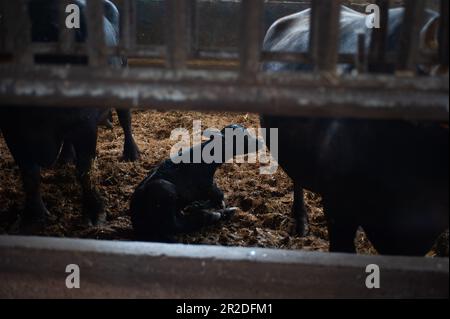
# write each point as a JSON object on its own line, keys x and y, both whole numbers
{"x": 264, "y": 201}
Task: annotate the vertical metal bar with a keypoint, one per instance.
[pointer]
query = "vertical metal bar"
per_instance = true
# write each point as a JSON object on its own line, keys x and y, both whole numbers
{"x": 251, "y": 35}
{"x": 410, "y": 37}
{"x": 324, "y": 35}
{"x": 361, "y": 58}
{"x": 377, "y": 53}
{"x": 2, "y": 26}
{"x": 8, "y": 28}
{"x": 444, "y": 34}
{"x": 23, "y": 37}
{"x": 177, "y": 34}
{"x": 66, "y": 35}
{"x": 193, "y": 26}
{"x": 96, "y": 35}
{"x": 129, "y": 25}
{"x": 313, "y": 29}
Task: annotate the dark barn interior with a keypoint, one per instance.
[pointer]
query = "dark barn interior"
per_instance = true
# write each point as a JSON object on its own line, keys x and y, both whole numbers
{"x": 175, "y": 62}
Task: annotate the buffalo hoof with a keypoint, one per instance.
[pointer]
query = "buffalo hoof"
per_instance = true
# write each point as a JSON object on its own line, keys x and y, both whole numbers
{"x": 36, "y": 214}
{"x": 131, "y": 152}
{"x": 67, "y": 156}
{"x": 107, "y": 124}
{"x": 33, "y": 219}
{"x": 302, "y": 228}
{"x": 94, "y": 213}
{"x": 90, "y": 220}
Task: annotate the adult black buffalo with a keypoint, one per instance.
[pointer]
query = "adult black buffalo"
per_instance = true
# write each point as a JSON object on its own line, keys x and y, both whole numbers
{"x": 35, "y": 136}
{"x": 389, "y": 177}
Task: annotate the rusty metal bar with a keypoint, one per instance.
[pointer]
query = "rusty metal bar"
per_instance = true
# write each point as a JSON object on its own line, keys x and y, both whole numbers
{"x": 156, "y": 51}
{"x": 289, "y": 57}
{"x": 444, "y": 33}
{"x": 177, "y": 33}
{"x": 324, "y": 34}
{"x": 266, "y": 56}
{"x": 32, "y": 267}
{"x": 366, "y": 96}
{"x": 410, "y": 36}
{"x": 79, "y": 49}
{"x": 96, "y": 43}
{"x": 218, "y": 55}
{"x": 301, "y": 57}
{"x": 55, "y": 48}
{"x": 377, "y": 52}
{"x": 251, "y": 36}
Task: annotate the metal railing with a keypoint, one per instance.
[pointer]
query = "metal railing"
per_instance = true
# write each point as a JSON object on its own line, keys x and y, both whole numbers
{"x": 33, "y": 267}
{"x": 247, "y": 89}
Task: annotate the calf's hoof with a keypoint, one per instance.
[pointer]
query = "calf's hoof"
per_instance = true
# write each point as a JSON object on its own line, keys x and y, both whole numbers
{"x": 214, "y": 217}
{"x": 228, "y": 213}
{"x": 211, "y": 218}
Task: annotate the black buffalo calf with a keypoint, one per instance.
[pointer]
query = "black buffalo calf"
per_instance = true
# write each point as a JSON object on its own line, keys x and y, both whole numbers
{"x": 183, "y": 197}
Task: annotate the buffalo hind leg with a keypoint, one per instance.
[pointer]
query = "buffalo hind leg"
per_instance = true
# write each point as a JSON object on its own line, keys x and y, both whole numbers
{"x": 107, "y": 120}
{"x": 341, "y": 223}
{"x": 35, "y": 210}
{"x": 67, "y": 155}
{"x": 130, "y": 149}
{"x": 342, "y": 236}
{"x": 93, "y": 206}
{"x": 299, "y": 210}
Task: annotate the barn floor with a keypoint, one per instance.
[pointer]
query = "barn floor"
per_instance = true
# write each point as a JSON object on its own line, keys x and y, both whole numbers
{"x": 264, "y": 202}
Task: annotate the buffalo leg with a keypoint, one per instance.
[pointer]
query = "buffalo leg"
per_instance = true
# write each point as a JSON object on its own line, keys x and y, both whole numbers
{"x": 130, "y": 149}
{"x": 342, "y": 235}
{"x": 299, "y": 210}
{"x": 107, "y": 120}
{"x": 67, "y": 154}
{"x": 93, "y": 206}
{"x": 35, "y": 210}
